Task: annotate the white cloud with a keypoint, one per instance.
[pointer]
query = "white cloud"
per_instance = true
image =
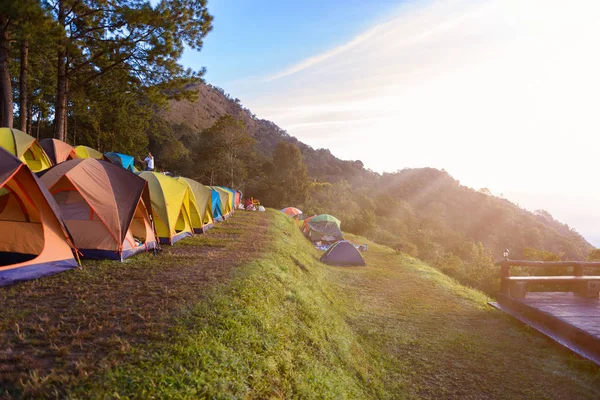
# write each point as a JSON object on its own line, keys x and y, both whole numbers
{"x": 501, "y": 93}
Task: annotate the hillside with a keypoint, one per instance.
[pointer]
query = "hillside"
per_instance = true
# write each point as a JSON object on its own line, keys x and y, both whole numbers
{"x": 425, "y": 211}
{"x": 247, "y": 311}
{"x": 213, "y": 102}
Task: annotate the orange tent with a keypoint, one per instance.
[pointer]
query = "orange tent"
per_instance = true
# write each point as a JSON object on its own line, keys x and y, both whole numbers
{"x": 57, "y": 150}
{"x": 106, "y": 208}
{"x": 305, "y": 226}
{"x": 291, "y": 211}
{"x": 35, "y": 240}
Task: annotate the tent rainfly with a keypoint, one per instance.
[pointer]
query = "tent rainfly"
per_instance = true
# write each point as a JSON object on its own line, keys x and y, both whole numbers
{"x": 291, "y": 211}
{"x": 324, "y": 228}
{"x": 170, "y": 207}
{"x": 122, "y": 160}
{"x": 216, "y": 206}
{"x": 36, "y": 241}
{"x": 200, "y": 206}
{"x": 57, "y": 150}
{"x": 26, "y": 148}
{"x": 225, "y": 197}
{"x": 343, "y": 253}
{"x": 231, "y": 197}
{"x": 106, "y": 209}
{"x": 88, "y": 152}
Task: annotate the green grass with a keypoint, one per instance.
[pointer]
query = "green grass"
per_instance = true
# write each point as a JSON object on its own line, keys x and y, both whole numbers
{"x": 277, "y": 324}
{"x": 436, "y": 338}
{"x": 274, "y": 331}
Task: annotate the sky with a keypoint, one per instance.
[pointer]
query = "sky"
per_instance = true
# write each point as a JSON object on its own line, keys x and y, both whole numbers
{"x": 502, "y": 94}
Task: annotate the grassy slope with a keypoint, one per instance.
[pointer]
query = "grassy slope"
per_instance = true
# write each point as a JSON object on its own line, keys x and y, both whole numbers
{"x": 438, "y": 339}
{"x": 283, "y": 325}
{"x": 288, "y": 326}
{"x": 63, "y": 328}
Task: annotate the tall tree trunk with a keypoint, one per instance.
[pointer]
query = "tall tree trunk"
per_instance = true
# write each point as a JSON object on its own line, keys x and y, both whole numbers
{"x": 23, "y": 93}
{"x": 39, "y": 120}
{"x": 29, "y": 115}
{"x": 5, "y": 82}
{"x": 60, "y": 108}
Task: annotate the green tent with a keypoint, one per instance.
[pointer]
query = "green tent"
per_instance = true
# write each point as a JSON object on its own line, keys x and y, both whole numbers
{"x": 326, "y": 218}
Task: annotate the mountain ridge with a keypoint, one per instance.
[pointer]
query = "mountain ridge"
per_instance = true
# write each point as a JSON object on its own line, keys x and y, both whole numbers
{"x": 419, "y": 207}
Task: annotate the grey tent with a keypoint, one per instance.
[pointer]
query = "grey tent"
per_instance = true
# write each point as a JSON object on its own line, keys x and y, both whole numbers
{"x": 324, "y": 231}
{"x": 343, "y": 253}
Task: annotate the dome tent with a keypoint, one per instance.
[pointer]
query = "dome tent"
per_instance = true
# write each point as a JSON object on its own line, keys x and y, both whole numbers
{"x": 343, "y": 253}
{"x": 226, "y": 201}
{"x": 26, "y": 148}
{"x": 170, "y": 207}
{"x": 216, "y": 206}
{"x": 105, "y": 207}
{"x": 324, "y": 228}
{"x": 201, "y": 213}
{"x": 122, "y": 160}
{"x": 57, "y": 150}
{"x": 39, "y": 243}
{"x": 88, "y": 152}
{"x": 232, "y": 196}
{"x": 291, "y": 211}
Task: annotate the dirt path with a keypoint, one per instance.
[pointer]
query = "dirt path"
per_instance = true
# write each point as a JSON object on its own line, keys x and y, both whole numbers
{"x": 73, "y": 324}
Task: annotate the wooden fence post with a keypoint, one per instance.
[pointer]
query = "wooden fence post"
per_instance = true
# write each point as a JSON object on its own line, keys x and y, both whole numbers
{"x": 504, "y": 273}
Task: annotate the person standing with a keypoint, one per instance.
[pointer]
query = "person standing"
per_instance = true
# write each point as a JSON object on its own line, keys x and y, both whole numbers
{"x": 149, "y": 160}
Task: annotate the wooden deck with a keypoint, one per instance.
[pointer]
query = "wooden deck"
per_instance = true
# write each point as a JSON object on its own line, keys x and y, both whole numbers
{"x": 570, "y": 319}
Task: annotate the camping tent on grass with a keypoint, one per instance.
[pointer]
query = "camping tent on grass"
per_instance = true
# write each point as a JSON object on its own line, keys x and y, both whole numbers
{"x": 170, "y": 207}
{"x": 105, "y": 207}
{"x": 25, "y": 148}
{"x": 122, "y": 160}
{"x": 232, "y": 194}
{"x": 200, "y": 207}
{"x": 225, "y": 201}
{"x": 216, "y": 206}
{"x": 35, "y": 241}
{"x": 57, "y": 150}
{"x": 343, "y": 253}
{"x": 291, "y": 211}
{"x": 88, "y": 152}
{"x": 326, "y": 218}
{"x": 324, "y": 228}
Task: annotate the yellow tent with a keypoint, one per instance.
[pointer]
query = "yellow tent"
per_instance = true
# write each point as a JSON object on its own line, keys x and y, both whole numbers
{"x": 88, "y": 152}
{"x": 25, "y": 148}
{"x": 170, "y": 207}
{"x": 201, "y": 211}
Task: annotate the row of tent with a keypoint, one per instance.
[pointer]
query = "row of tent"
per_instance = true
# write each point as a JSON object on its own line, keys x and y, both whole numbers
{"x": 41, "y": 155}
{"x": 326, "y": 228}
{"x": 86, "y": 205}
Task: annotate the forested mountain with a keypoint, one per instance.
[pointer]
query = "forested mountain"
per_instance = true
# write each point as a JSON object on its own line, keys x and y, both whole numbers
{"x": 109, "y": 76}
{"x": 423, "y": 211}
{"x": 213, "y": 103}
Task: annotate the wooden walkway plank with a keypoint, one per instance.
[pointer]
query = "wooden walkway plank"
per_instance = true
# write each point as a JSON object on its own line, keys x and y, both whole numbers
{"x": 569, "y": 319}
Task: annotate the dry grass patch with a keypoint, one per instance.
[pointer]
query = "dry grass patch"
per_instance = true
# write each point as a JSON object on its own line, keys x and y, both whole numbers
{"x": 62, "y": 328}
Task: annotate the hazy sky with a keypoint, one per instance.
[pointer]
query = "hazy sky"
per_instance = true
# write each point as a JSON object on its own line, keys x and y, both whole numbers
{"x": 503, "y": 94}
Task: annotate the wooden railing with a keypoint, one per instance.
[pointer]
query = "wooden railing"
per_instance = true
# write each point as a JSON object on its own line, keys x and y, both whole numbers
{"x": 516, "y": 286}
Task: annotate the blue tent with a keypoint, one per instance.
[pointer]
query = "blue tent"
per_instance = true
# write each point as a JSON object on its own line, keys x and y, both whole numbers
{"x": 343, "y": 253}
{"x": 216, "y": 206}
{"x": 123, "y": 160}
